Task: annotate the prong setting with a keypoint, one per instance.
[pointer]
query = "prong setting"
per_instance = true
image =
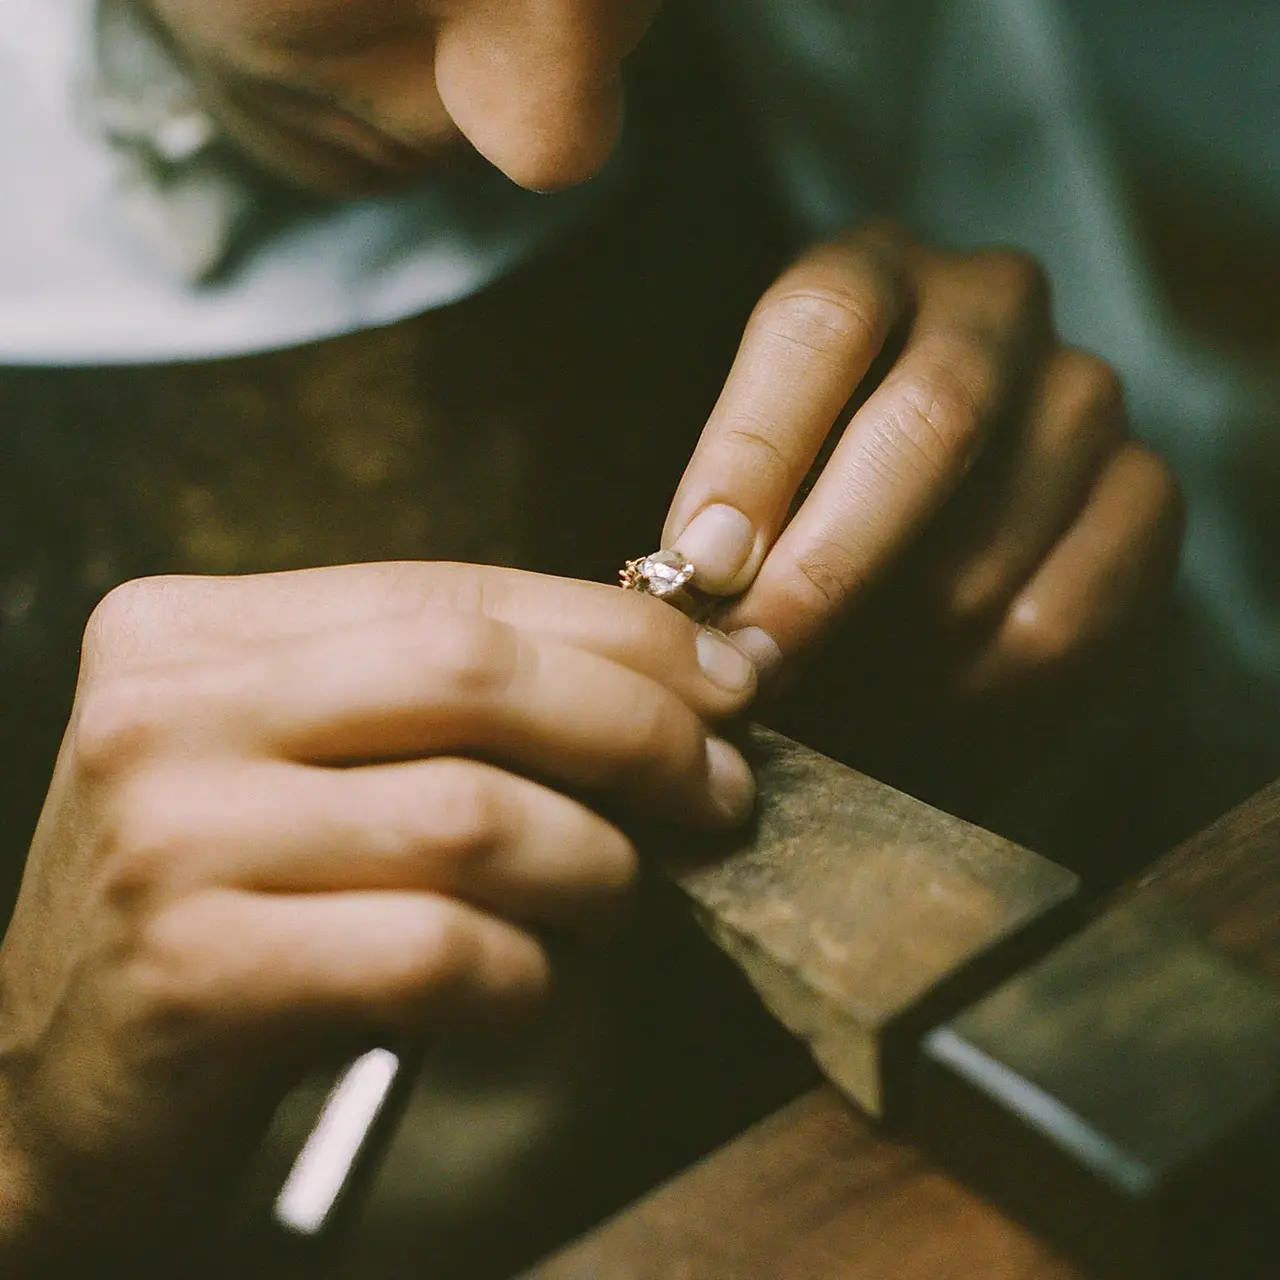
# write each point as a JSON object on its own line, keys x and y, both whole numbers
{"x": 661, "y": 573}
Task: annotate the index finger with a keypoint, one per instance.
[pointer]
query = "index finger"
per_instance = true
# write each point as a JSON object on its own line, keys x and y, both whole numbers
{"x": 178, "y": 619}
{"x": 807, "y": 346}
{"x": 905, "y": 450}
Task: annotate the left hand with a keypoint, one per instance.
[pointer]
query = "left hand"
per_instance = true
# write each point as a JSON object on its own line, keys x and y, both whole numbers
{"x": 1059, "y": 536}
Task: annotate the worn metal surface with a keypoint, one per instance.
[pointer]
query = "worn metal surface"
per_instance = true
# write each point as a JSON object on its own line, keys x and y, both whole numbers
{"x": 1123, "y": 1094}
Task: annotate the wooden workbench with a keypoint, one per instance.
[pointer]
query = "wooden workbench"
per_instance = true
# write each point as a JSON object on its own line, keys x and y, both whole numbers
{"x": 817, "y": 1192}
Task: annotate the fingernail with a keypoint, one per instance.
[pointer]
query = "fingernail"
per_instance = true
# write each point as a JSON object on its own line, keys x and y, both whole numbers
{"x": 722, "y": 662}
{"x": 733, "y": 789}
{"x": 760, "y": 647}
{"x": 719, "y": 541}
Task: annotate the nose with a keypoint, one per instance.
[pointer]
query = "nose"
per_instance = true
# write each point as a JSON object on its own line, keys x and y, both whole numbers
{"x": 536, "y": 85}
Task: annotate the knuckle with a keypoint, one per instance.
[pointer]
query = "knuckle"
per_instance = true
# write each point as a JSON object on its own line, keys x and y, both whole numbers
{"x": 462, "y": 966}
{"x": 942, "y": 416}
{"x": 1089, "y": 389}
{"x": 127, "y": 612}
{"x": 1016, "y": 280}
{"x": 754, "y": 435}
{"x": 171, "y": 979}
{"x": 651, "y": 726}
{"x": 978, "y": 595}
{"x": 117, "y": 722}
{"x": 440, "y": 951}
{"x": 658, "y": 734}
{"x": 468, "y": 814}
{"x": 825, "y": 320}
{"x": 619, "y": 864}
{"x": 1043, "y": 638}
{"x": 475, "y": 657}
{"x": 118, "y": 609}
{"x": 822, "y": 583}
{"x": 1155, "y": 474}
{"x": 1161, "y": 495}
{"x": 881, "y": 246}
{"x": 145, "y": 838}
{"x": 437, "y": 584}
{"x": 455, "y": 962}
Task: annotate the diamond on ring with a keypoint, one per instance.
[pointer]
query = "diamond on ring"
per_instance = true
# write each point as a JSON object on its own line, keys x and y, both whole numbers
{"x": 662, "y": 574}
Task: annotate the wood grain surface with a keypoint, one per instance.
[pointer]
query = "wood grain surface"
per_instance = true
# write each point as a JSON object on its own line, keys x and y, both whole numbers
{"x": 1227, "y": 879}
{"x": 858, "y": 913}
{"x": 812, "y": 1193}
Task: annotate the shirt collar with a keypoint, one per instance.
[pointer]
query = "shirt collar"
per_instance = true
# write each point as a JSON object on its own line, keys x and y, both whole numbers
{"x": 181, "y": 189}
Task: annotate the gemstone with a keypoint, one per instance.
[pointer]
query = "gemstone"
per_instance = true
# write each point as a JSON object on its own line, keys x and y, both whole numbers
{"x": 661, "y": 574}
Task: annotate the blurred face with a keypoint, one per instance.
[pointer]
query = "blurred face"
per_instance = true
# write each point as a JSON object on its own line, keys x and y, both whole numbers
{"x": 352, "y": 96}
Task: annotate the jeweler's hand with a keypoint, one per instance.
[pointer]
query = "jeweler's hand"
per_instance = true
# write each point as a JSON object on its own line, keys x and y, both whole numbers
{"x": 298, "y": 808}
{"x": 988, "y": 463}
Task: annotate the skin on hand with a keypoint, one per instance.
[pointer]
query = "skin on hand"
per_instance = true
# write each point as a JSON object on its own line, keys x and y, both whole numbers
{"x": 991, "y": 460}
{"x": 299, "y": 808}
{"x": 351, "y": 96}
{"x": 1065, "y": 531}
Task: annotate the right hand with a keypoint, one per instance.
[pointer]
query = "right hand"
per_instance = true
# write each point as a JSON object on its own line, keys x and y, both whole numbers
{"x": 299, "y": 808}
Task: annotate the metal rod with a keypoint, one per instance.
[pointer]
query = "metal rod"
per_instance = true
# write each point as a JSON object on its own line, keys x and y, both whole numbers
{"x": 300, "y": 1229}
